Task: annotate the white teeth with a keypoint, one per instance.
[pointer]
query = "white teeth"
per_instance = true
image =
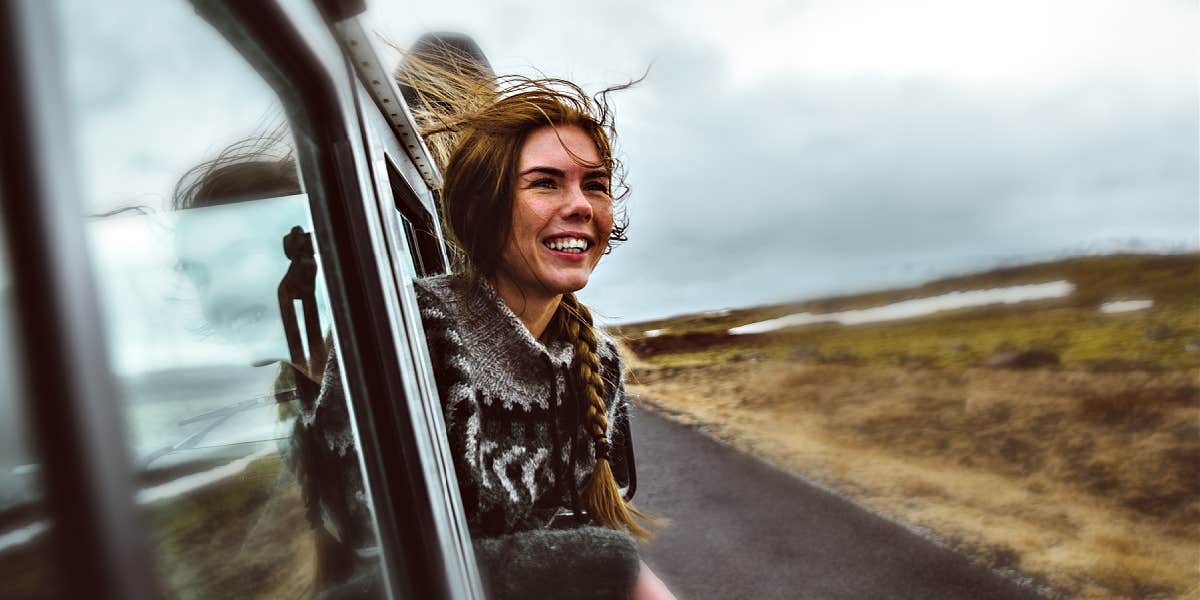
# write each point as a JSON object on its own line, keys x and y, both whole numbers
{"x": 572, "y": 245}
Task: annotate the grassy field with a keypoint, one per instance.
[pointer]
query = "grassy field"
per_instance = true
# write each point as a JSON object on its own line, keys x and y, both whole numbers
{"x": 1080, "y": 469}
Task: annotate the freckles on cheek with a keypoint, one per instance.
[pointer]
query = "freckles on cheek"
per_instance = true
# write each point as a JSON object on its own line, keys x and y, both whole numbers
{"x": 542, "y": 214}
{"x": 604, "y": 212}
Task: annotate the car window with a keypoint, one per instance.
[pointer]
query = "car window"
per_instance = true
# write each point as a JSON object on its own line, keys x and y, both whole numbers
{"x": 424, "y": 243}
{"x": 26, "y": 561}
{"x": 218, "y": 323}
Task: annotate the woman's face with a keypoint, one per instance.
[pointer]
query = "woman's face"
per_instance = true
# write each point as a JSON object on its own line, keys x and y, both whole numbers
{"x": 562, "y": 214}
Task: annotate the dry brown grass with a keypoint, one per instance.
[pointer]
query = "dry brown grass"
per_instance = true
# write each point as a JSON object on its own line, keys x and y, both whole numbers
{"x": 1088, "y": 481}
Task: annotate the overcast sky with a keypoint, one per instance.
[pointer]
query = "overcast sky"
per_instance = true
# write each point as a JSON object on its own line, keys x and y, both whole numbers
{"x": 777, "y": 150}
{"x": 794, "y": 149}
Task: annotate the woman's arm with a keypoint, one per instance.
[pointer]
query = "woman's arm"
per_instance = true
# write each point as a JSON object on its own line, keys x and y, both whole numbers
{"x": 650, "y": 587}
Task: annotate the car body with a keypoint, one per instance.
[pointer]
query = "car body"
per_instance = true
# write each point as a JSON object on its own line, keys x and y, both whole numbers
{"x": 141, "y": 460}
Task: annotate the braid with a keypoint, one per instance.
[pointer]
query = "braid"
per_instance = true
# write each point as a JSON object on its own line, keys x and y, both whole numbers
{"x": 602, "y": 497}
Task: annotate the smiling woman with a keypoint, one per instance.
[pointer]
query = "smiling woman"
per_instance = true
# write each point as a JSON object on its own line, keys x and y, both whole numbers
{"x": 532, "y": 392}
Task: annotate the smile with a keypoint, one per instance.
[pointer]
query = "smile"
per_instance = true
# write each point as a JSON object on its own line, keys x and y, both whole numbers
{"x": 569, "y": 245}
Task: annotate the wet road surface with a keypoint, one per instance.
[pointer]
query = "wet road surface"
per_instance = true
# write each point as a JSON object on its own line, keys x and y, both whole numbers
{"x": 742, "y": 529}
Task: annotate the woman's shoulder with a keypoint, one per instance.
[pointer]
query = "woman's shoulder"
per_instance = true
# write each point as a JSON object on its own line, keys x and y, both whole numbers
{"x": 606, "y": 346}
{"x": 443, "y": 300}
{"x": 609, "y": 353}
{"x": 439, "y": 299}
{"x": 439, "y": 291}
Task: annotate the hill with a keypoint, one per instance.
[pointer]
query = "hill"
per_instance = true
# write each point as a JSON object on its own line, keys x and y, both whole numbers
{"x": 1072, "y": 326}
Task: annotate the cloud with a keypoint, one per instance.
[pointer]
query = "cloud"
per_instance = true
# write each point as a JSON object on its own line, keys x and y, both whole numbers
{"x": 801, "y": 186}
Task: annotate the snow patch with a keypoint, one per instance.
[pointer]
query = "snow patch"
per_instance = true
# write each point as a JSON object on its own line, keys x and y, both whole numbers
{"x": 21, "y": 536}
{"x": 1121, "y": 306}
{"x": 917, "y": 307}
{"x": 195, "y": 481}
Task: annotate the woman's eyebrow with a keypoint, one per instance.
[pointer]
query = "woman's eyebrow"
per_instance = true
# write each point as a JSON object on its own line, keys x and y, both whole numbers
{"x": 546, "y": 170}
{"x": 553, "y": 172}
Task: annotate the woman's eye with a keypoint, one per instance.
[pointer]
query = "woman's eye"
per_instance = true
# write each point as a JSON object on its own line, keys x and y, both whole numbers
{"x": 543, "y": 183}
{"x": 597, "y": 187}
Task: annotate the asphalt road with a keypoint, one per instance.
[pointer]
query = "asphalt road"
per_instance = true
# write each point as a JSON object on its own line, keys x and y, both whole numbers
{"x": 743, "y": 529}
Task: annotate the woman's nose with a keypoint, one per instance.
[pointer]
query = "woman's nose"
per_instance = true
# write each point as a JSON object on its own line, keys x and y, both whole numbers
{"x": 578, "y": 206}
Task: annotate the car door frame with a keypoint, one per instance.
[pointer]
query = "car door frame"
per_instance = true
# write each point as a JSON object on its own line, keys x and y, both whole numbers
{"x": 76, "y": 423}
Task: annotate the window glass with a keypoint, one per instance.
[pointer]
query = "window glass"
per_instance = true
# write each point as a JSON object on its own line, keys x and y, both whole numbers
{"x": 26, "y": 562}
{"x": 215, "y": 310}
{"x": 410, "y": 234}
{"x": 424, "y": 244}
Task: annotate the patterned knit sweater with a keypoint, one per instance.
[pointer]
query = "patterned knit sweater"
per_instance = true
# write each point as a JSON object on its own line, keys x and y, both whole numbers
{"x": 515, "y": 430}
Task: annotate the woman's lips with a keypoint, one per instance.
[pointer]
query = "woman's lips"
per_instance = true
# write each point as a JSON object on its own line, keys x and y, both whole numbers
{"x": 574, "y": 256}
{"x": 569, "y": 245}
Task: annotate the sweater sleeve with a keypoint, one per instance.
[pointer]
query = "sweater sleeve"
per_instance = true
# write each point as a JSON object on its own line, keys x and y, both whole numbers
{"x": 587, "y": 563}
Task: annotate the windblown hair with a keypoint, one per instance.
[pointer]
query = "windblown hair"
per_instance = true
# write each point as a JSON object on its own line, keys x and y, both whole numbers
{"x": 475, "y": 124}
{"x": 259, "y": 166}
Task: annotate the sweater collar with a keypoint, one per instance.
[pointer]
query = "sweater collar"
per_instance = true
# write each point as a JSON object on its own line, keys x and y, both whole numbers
{"x": 489, "y": 326}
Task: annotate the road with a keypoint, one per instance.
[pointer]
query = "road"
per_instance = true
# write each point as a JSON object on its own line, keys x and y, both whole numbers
{"x": 742, "y": 529}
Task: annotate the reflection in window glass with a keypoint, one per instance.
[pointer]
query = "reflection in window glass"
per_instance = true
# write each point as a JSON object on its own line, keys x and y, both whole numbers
{"x": 215, "y": 310}
{"x": 26, "y": 563}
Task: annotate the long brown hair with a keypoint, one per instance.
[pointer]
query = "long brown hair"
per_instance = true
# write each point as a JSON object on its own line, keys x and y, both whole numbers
{"x": 475, "y": 124}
